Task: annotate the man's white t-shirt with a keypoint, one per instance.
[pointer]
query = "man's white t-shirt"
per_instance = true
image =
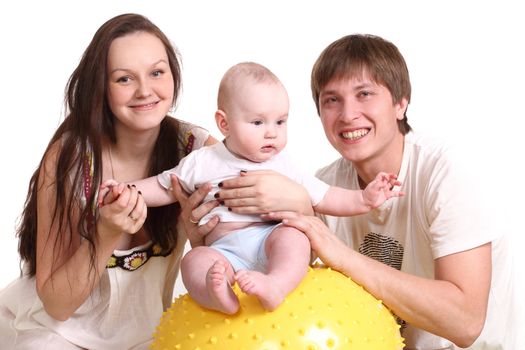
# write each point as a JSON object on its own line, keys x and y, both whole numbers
{"x": 440, "y": 214}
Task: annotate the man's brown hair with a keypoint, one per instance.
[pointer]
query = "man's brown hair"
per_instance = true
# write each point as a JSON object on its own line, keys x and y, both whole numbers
{"x": 357, "y": 54}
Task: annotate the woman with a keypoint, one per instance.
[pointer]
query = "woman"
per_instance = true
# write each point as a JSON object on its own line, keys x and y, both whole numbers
{"x": 102, "y": 278}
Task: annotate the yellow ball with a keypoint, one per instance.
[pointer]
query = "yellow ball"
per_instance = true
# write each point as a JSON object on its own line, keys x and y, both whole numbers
{"x": 326, "y": 311}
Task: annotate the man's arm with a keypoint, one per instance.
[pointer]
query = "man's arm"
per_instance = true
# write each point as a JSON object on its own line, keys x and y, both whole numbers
{"x": 453, "y": 305}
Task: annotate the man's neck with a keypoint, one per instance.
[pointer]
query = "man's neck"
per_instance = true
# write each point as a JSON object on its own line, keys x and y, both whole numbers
{"x": 388, "y": 161}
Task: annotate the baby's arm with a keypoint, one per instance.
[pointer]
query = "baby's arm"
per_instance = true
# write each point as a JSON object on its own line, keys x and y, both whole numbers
{"x": 153, "y": 193}
{"x": 343, "y": 202}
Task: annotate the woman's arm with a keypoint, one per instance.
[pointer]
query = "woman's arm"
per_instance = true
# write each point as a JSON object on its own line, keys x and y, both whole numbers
{"x": 65, "y": 276}
{"x": 263, "y": 191}
{"x": 192, "y": 210}
{"x": 453, "y": 305}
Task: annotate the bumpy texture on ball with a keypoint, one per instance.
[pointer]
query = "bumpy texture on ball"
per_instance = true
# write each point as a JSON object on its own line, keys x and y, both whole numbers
{"x": 326, "y": 311}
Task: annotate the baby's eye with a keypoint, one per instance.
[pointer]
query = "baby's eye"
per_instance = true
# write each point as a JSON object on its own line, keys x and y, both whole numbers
{"x": 281, "y": 122}
{"x": 257, "y": 122}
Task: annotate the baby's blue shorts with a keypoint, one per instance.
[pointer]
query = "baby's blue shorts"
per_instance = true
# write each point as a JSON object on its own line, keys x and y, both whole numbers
{"x": 245, "y": 248}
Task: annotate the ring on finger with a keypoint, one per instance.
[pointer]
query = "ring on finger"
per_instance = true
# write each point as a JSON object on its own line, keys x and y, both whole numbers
{"x": 194, "y": 221}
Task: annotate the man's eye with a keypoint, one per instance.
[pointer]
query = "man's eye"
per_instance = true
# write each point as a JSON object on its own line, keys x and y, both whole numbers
{"x": 329, "y": 100}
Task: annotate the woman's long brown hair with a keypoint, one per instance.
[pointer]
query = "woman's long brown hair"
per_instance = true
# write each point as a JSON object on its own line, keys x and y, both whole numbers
{"x": 88, "y": 121}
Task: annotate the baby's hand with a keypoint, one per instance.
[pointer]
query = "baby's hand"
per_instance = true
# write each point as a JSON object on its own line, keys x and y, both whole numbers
{"x": 109, "y": 191}
{"x": 380, "y": 190}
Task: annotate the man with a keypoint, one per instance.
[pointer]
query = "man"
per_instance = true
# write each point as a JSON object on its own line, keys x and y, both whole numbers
{"x": 430, "y": 256}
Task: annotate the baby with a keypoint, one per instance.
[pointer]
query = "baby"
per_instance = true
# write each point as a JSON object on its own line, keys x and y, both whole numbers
{"x": 265, "y": 259}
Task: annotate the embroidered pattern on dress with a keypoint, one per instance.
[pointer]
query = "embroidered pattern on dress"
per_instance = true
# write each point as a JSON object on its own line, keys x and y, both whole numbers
{"x": 87, "y": 173}
{"x": 190, "y": 140}
{"x": 135, "y": 259}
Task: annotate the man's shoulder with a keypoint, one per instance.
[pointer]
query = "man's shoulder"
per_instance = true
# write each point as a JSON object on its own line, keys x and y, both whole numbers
{"x": 427, "y": 148}
{"x": 425, "y": 142}
{"x": 332, "y": 171}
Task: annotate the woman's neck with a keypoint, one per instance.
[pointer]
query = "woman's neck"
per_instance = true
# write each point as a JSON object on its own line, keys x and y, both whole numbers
{"x": 129, "y": 157}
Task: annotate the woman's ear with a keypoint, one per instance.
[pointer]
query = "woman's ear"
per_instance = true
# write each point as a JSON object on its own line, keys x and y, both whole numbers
{"x": 222, "y": 122}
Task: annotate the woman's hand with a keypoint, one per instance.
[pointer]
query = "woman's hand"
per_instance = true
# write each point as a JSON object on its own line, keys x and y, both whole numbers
{"x": 122, "y": 209}
{"x": 263, "y": 191}
{"x": 192, "y": 211}
{"x": 328, "y": 247}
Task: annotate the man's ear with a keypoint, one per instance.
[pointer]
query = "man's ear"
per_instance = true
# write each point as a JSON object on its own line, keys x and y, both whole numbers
{"x": 401, "y": 107}
{"x": 222, "y": 122}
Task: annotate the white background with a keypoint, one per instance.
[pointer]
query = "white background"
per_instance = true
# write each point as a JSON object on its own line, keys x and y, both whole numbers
{"x": 466, "y": 62}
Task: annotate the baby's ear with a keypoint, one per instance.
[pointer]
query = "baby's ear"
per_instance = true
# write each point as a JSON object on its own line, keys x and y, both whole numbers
{"x": 222, "y": 122}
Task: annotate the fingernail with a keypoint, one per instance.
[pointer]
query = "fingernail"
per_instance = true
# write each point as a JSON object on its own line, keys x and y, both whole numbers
{"x": 244, "y": 171}
{"x": 140, "y": 193}
{"x": 220, "y": 184}
{"x": 221, "y": 202}
{"x": 229, "y": 209}
{"x": 129, "y": 186}
{"x": 133, "y": 186}
{"x": 216, "y": 195}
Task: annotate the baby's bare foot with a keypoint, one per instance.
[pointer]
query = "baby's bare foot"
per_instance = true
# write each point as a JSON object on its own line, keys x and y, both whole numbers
{"x": 262, "y": 286}
{"x": 221, "y": 294}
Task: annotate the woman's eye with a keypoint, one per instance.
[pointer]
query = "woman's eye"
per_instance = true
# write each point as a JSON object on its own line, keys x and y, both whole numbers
{"x": 124, "y": 79}
{"x": 157, "y": 73}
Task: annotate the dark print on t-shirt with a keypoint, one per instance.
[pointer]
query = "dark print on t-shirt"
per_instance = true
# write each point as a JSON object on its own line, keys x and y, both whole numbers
{"x": 383, "y": 249}
{"x": 386, "y": 250}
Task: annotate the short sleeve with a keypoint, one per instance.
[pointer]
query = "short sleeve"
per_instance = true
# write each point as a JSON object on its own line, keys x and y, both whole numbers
{"x": 192, "y": 137}
{"x": 455, "y": 208}
{"x": 316, "y": 188}
{"x": 185, "y": 172}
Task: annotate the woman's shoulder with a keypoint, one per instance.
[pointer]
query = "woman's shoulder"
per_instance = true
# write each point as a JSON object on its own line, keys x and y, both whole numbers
{"x": 187, "y": 127}
{"x": 190, "y": 135}
{"x": 52, "y": 153}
